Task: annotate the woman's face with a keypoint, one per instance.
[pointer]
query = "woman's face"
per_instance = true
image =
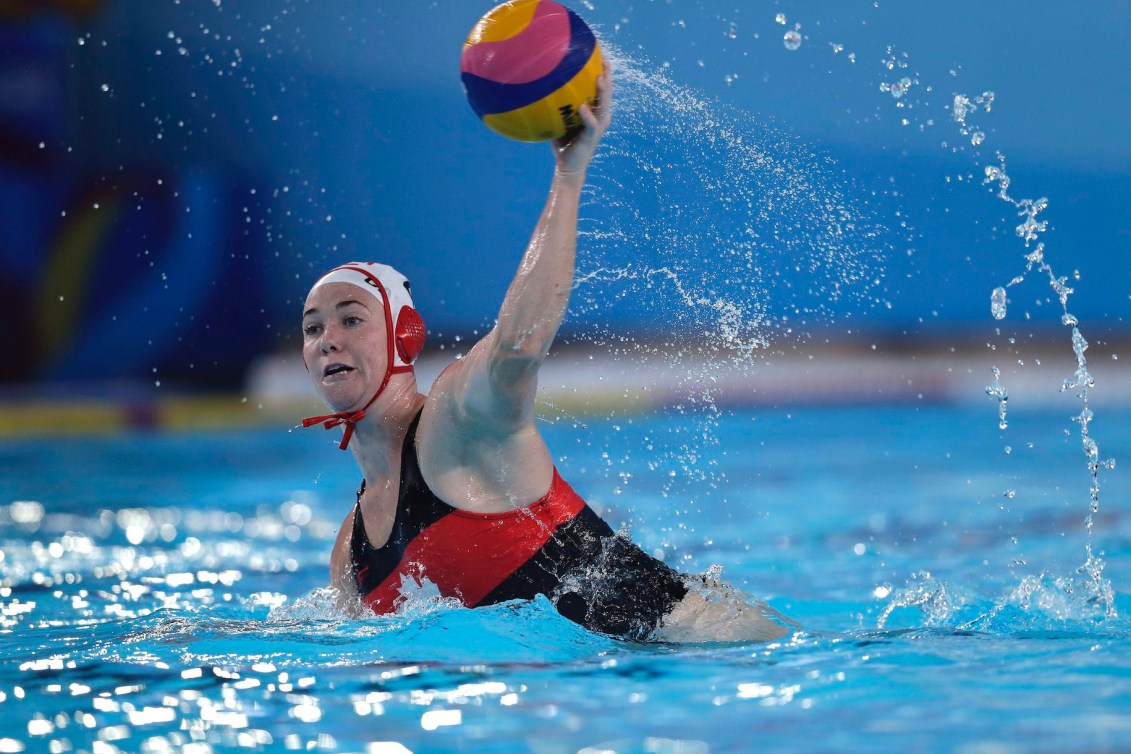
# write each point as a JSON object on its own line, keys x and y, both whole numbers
{"x": 344, "y": 344}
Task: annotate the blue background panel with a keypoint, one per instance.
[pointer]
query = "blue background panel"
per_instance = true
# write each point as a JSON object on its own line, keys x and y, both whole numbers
{"x": 236, "y": 150}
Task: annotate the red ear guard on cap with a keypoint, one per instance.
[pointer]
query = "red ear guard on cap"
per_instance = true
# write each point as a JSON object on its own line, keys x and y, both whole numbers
{"x": 409, "y": 334}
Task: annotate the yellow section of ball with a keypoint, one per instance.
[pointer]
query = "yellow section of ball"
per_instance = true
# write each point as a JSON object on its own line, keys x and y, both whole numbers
{"x": 503, "y": 22}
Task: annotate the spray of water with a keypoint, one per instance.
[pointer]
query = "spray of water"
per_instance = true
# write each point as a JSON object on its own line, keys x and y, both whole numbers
{"x": 907, "y": 92}
{"x": 731, "y": 232}
{"x": 1029, "y": 230}
{"x": 965, "y": 109}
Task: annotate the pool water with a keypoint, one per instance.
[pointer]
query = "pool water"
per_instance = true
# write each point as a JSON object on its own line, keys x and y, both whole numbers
{"x": 164, "y": 593}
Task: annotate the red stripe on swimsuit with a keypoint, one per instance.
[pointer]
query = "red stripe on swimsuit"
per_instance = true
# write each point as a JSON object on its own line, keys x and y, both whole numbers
{"x": 468, "y": 555}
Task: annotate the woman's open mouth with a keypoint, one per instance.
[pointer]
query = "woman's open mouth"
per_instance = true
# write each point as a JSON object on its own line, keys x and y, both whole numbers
{"x": 334, "y": 369}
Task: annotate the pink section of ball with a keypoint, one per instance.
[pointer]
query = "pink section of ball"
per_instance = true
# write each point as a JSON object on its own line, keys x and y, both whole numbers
{"x": 525, "y": 57}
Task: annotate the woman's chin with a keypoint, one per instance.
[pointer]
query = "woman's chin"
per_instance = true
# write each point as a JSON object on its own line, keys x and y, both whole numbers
{"x": 340, "y": 397}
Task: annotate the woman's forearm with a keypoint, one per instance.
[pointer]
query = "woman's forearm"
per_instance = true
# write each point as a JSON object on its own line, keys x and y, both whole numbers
{"x": 536, "y": 301}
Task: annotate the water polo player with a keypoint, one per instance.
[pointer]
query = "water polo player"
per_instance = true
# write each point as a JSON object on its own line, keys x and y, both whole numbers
{"x": 459, "y": 486}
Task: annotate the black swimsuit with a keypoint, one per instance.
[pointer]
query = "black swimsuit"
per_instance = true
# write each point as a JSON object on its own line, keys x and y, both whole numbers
{"x": 557, "y": 546}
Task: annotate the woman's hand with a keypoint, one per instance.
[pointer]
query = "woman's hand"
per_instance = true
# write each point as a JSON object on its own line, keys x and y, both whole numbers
{"x": 574, "y": 152}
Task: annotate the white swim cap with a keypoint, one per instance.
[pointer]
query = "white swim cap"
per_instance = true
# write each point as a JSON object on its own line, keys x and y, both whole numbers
{"x": 391, "y": 288}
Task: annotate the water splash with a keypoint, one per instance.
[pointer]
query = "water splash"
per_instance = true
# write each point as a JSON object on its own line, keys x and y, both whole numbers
{"x": 998, "y": 392}
{"x": 1029, "y": 230}
{"x": 730, "y": 232}
{"x": 964, "y": 110}
{"x": 1031, "y": 225}
{"x": 788, "y": 235}
{"x": 936, "y": 600}
{"x": 964, "y": 106}
{"x": 1035, "y": 603}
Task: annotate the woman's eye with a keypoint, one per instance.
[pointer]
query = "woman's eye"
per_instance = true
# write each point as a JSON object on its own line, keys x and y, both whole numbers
{"x": 310, "y": 330}
{"x": 351, "y": 321}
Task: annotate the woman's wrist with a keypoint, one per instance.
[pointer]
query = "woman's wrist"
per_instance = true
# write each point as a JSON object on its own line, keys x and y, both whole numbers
{"x": 567, "y": 175}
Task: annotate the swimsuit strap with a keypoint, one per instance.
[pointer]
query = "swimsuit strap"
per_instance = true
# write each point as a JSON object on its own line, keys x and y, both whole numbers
{"x": 360, "y": 546}
{"x": 358, "y": 523}
{"x": 410, "y": 464}
{"x": 359, "y": 540}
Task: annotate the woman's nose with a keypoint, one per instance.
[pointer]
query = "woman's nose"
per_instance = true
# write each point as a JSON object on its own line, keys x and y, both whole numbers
{"x": 329, "y": 341}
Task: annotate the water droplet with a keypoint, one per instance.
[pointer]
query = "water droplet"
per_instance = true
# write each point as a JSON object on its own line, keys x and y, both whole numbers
{"x": 977, "y": 138}
{"x": 792, "y": 40}
{"x": 780, "y": 18}
{"x": 961, "y": 108}
{"x": 997, "y": 303}
{"x": 899, "y": 88}
{"x": 997, "y": 391}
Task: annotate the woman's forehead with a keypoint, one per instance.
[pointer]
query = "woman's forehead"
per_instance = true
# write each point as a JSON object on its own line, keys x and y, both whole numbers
{"x": 335, "y": 296}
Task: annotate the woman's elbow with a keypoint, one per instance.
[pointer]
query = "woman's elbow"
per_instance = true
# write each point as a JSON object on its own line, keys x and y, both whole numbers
{"x": 520, "y": 349}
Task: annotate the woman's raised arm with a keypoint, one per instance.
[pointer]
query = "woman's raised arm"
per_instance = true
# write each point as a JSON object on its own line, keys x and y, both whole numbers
{"x": 502, "y": 370}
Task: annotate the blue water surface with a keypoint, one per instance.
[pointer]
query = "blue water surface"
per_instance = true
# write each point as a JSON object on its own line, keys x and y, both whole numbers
{"x": 165, "y": 593}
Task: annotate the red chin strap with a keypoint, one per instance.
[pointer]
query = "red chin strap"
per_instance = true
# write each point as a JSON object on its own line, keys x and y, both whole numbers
{"x": 351, "y": 418}
{"x": 332, "y": 420}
